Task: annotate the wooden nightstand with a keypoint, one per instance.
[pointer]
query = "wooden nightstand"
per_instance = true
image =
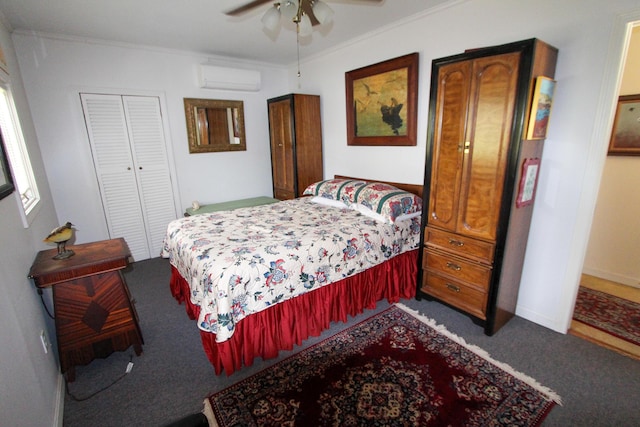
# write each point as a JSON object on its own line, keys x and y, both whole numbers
{"x": 94, "y": 313}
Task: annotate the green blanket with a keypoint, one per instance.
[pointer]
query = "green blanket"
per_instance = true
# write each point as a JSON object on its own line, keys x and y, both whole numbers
{"x": 233, "y": 204}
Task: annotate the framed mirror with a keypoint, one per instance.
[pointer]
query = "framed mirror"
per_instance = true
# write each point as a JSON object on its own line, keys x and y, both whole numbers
{"x": 214, "y": 125}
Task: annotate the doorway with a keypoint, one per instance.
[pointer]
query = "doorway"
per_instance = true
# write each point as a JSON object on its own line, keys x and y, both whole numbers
{"x": 602, "y": 268}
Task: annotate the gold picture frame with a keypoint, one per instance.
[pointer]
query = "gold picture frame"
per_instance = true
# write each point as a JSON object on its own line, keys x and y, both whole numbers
{"x": 382, "y": 102}
{"x": 541, "y": 107}
{"x": 625, "y": 135}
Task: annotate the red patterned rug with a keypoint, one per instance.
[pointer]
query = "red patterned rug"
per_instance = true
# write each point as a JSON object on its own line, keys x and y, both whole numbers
{"x": 615, "y": 316}
{"x": 396, "y": 368}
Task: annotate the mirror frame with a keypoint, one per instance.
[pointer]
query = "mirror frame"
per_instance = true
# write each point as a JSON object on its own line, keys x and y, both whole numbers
{"x": 190, "y": 105}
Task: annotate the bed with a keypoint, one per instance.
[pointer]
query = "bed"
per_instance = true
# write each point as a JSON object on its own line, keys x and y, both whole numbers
{"x": 262, "y": 279}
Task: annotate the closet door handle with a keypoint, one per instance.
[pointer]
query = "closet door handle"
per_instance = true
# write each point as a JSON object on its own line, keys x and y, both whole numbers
{"x": 128, "y": 168}
{"x": 464, "y": 147}
{"x": 140, "y": 167}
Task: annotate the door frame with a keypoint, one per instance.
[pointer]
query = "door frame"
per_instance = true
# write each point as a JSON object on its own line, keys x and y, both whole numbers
{"x": 596, "y": 157}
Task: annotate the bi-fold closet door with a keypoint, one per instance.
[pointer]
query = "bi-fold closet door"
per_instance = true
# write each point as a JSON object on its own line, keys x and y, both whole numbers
{"x": 130, "y": 158}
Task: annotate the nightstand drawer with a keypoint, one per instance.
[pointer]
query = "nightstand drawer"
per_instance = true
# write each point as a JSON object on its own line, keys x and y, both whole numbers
{"x": 476, "y": 274}
{"x": 455, "y": 293}
{"x": 463, "y": 246}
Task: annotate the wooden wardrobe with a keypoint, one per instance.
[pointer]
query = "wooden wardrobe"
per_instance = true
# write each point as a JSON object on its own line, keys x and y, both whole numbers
{"x": 296, "y": 143}
{"x": 474, "y": 233}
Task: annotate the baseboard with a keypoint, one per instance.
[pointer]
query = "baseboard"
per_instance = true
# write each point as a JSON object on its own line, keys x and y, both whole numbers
{"x": 58, "y": 417}
{"x": 541, "y": 320}
{"x": 613, "y": 277}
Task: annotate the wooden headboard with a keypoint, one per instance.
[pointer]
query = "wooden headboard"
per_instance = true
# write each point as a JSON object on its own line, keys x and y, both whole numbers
{"x": 412, "y": 188}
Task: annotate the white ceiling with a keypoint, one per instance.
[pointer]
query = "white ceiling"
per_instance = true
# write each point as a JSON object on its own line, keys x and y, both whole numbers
{"x": 202, "y": 26}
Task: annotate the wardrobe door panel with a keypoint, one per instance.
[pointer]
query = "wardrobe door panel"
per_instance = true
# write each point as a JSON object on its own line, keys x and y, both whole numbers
{"x": 448, "y": 146}
{"x": 282, "y": 159}
{"x": 490, "y": 114}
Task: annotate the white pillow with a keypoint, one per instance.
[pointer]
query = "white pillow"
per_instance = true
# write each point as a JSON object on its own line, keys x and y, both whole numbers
{"x": 381, "y": 218}
{"x": 369, "y": 213}
{"x": 406, "y": 217}
{"x": 328, "y": 202}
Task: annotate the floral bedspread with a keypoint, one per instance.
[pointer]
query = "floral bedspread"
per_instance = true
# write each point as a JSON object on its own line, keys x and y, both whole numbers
{"x": 243, "y": 261}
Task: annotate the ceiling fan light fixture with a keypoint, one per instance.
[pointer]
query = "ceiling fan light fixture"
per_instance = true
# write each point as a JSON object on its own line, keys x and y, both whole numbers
{"x": 322, "y": 11}
{"x": 271, "y": 18}
{"x": 289, "y": 9}
{"x": 304, "y": 26}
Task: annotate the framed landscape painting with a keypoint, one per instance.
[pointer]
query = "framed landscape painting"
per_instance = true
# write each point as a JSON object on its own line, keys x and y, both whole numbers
{"x": 382, "y": 102}
{"x": 541, "y": 108}
{"x": 625, "y": 136}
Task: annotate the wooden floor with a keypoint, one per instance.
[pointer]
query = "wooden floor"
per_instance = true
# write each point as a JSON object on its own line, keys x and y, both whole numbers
{"x": 597, "y": 336}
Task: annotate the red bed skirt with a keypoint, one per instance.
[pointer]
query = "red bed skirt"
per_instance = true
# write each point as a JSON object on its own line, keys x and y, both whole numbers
{"x": 279, "y": 327}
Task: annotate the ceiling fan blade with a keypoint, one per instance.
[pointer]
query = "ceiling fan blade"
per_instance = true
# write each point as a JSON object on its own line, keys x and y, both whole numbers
{"x": 246, "y": 7}
{"x": 307, "y": 9}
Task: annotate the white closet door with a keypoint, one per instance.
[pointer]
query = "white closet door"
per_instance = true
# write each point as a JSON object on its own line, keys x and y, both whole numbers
{"x": 129, "y": 154}
{"x": 109, "y": 138}
{"x": 148, "y": 147}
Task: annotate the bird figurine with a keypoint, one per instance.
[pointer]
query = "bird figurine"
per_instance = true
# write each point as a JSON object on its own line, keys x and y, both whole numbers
{"x": 60, "y": 236}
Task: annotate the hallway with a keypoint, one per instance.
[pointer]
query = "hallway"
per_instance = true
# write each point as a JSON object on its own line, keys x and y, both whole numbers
{"x": 597, "y": 336}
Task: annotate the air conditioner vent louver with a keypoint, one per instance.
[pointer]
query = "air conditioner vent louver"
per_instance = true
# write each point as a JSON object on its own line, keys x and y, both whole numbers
{"x": 214, "y": 77}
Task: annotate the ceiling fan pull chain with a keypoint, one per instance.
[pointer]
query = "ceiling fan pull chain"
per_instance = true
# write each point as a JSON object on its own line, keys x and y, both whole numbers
{"x": 298, "y": 47}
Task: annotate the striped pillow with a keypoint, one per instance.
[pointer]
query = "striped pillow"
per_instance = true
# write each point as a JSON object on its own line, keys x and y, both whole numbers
{"x": 335, "y": 189}
{"x": 387, "y": 202}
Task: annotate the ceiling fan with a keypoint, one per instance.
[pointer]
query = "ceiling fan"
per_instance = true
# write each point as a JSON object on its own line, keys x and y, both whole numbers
{"x": 304, "y": 13}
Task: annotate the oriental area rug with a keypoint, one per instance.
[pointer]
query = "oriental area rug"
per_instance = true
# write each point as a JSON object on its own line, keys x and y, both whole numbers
{"x": 397, "y": 368}
{"x": 613, "y": 315}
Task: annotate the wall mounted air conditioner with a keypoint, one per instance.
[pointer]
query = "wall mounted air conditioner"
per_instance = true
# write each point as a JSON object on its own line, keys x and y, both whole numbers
{"x": 214, "y": 77}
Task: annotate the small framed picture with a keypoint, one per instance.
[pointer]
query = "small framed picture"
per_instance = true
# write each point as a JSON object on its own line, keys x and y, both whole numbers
{"x": 528, "y": 182}
{"x": 625, "y": 136}
{"x": 541, "y": 108}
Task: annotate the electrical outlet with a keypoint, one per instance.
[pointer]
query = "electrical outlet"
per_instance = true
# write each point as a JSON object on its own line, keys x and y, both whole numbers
{"x": 45, "y": 342}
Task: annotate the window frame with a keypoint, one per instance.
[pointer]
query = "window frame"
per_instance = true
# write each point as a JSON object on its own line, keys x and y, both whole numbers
{"x": 16, "y": 150}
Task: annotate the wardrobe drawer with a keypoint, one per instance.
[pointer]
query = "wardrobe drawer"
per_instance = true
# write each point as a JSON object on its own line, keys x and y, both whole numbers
{"x": 476, "y": 274}
{"x": 463, "y": 246}
{"x": 456, "y": 293}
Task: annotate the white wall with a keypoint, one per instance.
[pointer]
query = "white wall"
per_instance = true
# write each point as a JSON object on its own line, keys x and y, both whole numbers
{"x": 31, "y": 392}
{"x": 575, "y": 147}
{"x": 613, "y": 250}
{"x": 56, "y": 70}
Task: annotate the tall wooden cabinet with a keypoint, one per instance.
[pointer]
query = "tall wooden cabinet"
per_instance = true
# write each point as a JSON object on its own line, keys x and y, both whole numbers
{"x": 296, "y": 143}
{"x": 474, "y": 235}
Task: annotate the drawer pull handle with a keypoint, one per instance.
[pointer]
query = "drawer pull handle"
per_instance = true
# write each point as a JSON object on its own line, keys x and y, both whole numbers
{"x": 453, "y": 266}
{"x": 455, "y": 242}
{"x": 453, "y": 288}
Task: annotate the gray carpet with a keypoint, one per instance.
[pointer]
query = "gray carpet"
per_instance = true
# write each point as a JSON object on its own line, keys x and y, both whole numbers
{"x": 170, "y": 380}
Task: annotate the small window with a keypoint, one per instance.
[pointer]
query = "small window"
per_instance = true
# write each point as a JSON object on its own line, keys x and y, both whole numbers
{"x": 24, "y": 179}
